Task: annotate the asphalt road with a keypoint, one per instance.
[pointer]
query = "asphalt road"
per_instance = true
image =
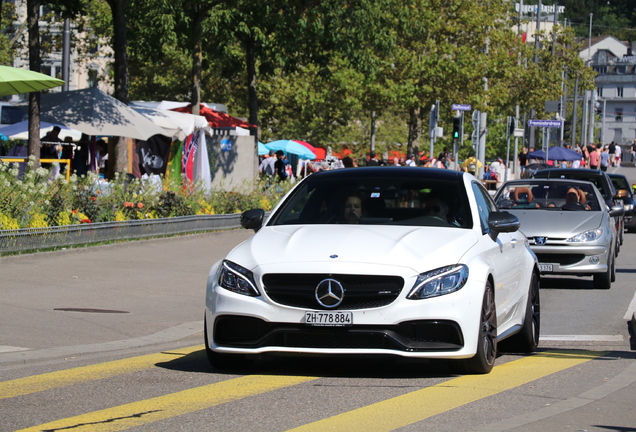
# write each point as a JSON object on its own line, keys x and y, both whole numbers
{"x": 109, "y": 338}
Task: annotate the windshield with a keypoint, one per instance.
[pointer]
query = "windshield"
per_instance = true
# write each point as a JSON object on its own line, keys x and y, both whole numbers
{"x": 548, "y": 196}
{"x": 620, "y": 183}
{"x": 377, "y": 201}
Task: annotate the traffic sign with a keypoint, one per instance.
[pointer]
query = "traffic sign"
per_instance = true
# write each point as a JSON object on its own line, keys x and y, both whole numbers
{"x": 460, "y": 107}
{"x": 545, "y": 123}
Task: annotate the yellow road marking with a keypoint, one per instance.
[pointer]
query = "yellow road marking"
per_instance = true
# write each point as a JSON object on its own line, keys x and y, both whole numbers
{"x": 421, "y": 404}
{"x": 162, "y": 407}
{"x": 37, "y": 383}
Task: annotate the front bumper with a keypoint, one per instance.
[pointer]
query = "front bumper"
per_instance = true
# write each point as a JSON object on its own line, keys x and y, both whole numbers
{"x": 439, "y": 327}
{"x": 581, "y": 260}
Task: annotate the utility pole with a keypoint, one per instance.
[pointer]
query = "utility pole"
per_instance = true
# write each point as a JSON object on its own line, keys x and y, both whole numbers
{"x": 66, "y": 55}
{"x": 575, "y": 109}
{"x": 537, "y": 45}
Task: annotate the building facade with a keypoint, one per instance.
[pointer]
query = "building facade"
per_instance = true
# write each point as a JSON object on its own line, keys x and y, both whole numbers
{"x": 615, "y": 95}
{"x": 87, "y": 70}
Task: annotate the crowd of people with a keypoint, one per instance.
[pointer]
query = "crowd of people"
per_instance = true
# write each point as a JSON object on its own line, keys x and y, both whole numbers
{"x": 593, "y": 156}
{"x": 277, "y": 165}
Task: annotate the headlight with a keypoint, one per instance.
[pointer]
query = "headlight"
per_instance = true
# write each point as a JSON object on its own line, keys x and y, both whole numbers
{"x": 628, "y": 207}
{"x": 440, "y": 281}
{"x": 237, "y": 279}
{"x": 587, "y": 236}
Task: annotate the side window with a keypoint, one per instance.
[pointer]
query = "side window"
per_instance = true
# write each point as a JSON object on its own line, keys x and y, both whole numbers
{"x": 485, "y": 205}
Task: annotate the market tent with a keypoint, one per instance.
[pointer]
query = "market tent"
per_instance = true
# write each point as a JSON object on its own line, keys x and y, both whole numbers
{"x": 556, "y": 153}
{"x": 93, "y": 112}
{"x": 217, "y": 120}
{"x": 175, "y": 124}
{"x": 20, "y": 130}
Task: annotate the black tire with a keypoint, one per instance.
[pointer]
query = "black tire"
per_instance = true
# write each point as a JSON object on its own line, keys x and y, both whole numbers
{"x": 604, "y": 280}
{"x": 484, "y": 360}
{"x": 613, "y": 270}
{"x": 224, "y": 361}
{"x": 527, "y": 340}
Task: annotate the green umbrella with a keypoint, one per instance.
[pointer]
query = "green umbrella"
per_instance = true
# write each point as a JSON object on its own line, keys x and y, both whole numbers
{"x": 18, "y": 81}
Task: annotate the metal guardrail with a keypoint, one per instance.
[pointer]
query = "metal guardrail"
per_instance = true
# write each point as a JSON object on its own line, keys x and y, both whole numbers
{"x": 70, "y": 235}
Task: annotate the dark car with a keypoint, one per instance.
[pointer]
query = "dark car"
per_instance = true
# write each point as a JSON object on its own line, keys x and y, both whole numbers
{"x": 625, "y": 192}
{"x": 601, "y": 180}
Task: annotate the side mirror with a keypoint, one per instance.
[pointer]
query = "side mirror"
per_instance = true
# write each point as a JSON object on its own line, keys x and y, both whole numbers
{"x": 617, "y": 210}
{"x": 253, "y": 219}
{"x": 502, "y": 221}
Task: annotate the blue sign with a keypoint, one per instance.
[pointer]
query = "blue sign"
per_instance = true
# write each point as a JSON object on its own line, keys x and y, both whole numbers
{"x": 460, "y": 107}
{"x": 226, "y": 144}
{"x": 545, "y": 123}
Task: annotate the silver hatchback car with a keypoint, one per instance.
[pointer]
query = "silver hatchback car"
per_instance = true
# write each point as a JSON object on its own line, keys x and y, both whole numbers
{"x": 568, "y": 225}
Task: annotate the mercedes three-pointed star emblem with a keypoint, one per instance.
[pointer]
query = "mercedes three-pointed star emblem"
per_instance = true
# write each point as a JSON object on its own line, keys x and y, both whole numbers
{"x": 329, "y": 293}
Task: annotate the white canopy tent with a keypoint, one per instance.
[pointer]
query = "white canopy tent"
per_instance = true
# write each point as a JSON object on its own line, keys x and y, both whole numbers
{"x": 175, "y": 124}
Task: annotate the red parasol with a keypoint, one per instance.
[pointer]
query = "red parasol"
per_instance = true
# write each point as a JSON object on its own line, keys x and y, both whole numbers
{"x": 320, "y": 153}
{"x": 217, "y": 119}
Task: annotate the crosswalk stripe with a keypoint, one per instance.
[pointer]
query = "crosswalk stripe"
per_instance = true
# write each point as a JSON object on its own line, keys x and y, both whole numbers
{"x": 37, "y": 383}
{"x": 419, "y": 405}
{"x": 147, "y": 411}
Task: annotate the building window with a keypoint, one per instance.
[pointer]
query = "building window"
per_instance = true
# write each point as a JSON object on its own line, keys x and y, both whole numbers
{"x": 599, "y": 91}
{"x": 620, "y": 69}
{"x": 619, "y": 91}
{"x": 92, "y": 79}
{"x": 601, "y": 69}
{"x": 619, "y": 115}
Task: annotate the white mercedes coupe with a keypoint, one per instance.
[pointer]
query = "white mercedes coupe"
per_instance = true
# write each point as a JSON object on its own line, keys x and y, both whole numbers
{"x": 410, "y": 262}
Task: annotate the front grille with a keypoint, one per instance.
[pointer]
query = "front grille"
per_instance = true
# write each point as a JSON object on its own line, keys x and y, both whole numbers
{"x": 361, "y": 291}
{"x": 562, "y": 259}
{"x": 249, "y": 332}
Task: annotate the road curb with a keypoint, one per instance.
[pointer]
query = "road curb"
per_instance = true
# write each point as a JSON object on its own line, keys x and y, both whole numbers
{"x": 168, "y": 335}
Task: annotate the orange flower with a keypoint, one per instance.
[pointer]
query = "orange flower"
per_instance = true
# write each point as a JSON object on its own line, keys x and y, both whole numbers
{"x": 93, "y": 198}
{"x": 73, "y": 211}
{"x": 140, "y": 205}
{"x": 128, "y": 204}
{"x": 85, "y": 221}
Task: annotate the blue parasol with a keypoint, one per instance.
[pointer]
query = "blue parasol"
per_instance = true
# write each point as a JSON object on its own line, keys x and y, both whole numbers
{"x": 262, "y": 150}
{"x": 556, "y": 153}
{"x": 291, "y": 147}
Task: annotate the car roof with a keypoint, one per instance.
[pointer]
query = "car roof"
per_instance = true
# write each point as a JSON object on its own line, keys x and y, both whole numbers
{"x": 616, "y": 175}
{"x": 578, "y": 173}
{"x": 545, "y": 179}
{"x": 348, "y": 173}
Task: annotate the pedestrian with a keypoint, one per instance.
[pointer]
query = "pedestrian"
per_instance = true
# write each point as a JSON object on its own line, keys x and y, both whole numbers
{"x": 618, "y": 152}
{"x": 595, "y": 157}
{"x": 410, "y": 161}
{"x": 279, "y": 166}
{"x": 611, "y": 150}
{"x": 266, "y": 168}
{"x": 523, "y": 157}
{"x": 605, "y": 158}
{"x": 373, "y": 161}
{"x": 633, "y": 151}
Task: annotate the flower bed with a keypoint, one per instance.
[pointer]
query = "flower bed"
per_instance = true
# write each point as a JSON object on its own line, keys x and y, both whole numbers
{"x": 34, "y": 199}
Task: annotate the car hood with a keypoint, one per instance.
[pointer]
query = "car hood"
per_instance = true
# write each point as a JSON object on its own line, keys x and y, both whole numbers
{"x": 418, "y": 248}
{"x": 557, "y": 224}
